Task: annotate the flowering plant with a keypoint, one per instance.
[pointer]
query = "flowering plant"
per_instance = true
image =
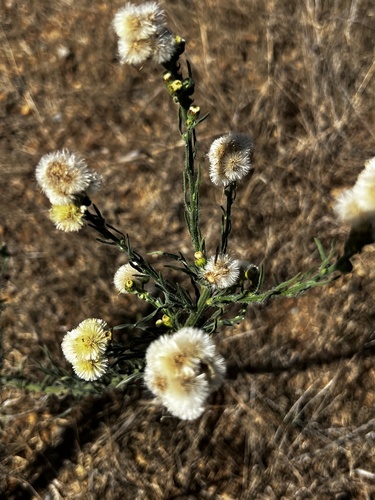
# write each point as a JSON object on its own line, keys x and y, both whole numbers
{"x": 173, "y": 344}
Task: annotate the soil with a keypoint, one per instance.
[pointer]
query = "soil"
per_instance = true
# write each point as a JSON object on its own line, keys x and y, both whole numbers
{"x": 295, "y": 417}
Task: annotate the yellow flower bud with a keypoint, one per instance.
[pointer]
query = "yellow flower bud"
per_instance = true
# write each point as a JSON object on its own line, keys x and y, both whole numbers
{"x": 168, "y": 77}
{"x": 175, "y": 86}
{"x": 166, "y": 321}
{"x": 194, "y": 111}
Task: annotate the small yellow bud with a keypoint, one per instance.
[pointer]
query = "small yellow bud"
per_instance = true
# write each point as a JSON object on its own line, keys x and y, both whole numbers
{"x": 192, "y": 115}
{"x": 166, "y": 321}
{"x": 168, "y": 77}
{"x": 179, "y": 44}
{"x": 159, "y": 323}
{"x": 175, "y": 86}
{"x": 200, "y": 259}
{"x": 194, "y": 111}
{"x": 179, "y": 40}
{"x": 129, "y": 284}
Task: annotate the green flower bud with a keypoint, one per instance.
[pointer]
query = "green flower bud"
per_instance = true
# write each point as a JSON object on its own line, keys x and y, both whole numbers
{"x": 188, "y": 86}
{"x": 200, "y": 259}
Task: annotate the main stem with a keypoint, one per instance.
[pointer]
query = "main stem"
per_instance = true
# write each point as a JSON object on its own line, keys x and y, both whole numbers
{"x": 194, "y": 317}
{"x": 226, "y": 226}
{"x": 191, "y": 186}
{"x": 192, "y": 207}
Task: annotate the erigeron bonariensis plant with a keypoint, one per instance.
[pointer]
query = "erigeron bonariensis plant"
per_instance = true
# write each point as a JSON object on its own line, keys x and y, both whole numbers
{"x": 176, "y": 350}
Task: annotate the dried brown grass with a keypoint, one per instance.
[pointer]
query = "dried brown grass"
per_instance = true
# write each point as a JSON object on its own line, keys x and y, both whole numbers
{"x": 296, "y": 417}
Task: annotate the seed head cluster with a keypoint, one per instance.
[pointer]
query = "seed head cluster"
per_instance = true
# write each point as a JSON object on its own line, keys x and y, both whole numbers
{"x": 221, "y": 271}
{"x": 182, "y": 370}
{"x": 143, "y": 34}
{"x": 66, "y": 179}
{"x": 230, "y": 158}
{"x": 63, "y": 176}
{"x": 85, "y": 347}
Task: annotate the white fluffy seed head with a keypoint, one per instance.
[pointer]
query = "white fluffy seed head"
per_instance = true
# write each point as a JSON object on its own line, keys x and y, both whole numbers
{"x": 186, "y": 396}
{"x": 221, "y": 271}
{"x": 164, "y": 357}
{"x": 230, "y": 158}
{"x": 143, "y": 34}
{"x": 364, "y": 188}
{"x": 155, "y": 381}
{"x": 126, "y": 278}
{"x": 135, "y": 51}
{"x": 164, "y": 47}
{"x": 134, "y": 22}
{"x": 182, "y": 369}
{"x": 347, "y": 208}
{"x": 63, "y": 175}
{"x": 357, "y": 205}
{"x": 90, "y": 369}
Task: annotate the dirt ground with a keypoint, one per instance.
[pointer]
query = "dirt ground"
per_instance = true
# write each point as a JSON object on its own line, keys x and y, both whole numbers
{"x": 295, "y": 418}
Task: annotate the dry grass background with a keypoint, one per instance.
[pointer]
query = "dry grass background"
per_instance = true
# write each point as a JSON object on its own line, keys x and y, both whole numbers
{"x": 296, "y": 417}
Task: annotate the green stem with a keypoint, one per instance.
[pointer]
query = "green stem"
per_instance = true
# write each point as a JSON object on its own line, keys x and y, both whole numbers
{"x": 191, "y": 186}
{"x": 97, "y": 222}
{"x": 201, "y": 306}
{"x": 290, "y": 288}
{"x": 226, "y": 223}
